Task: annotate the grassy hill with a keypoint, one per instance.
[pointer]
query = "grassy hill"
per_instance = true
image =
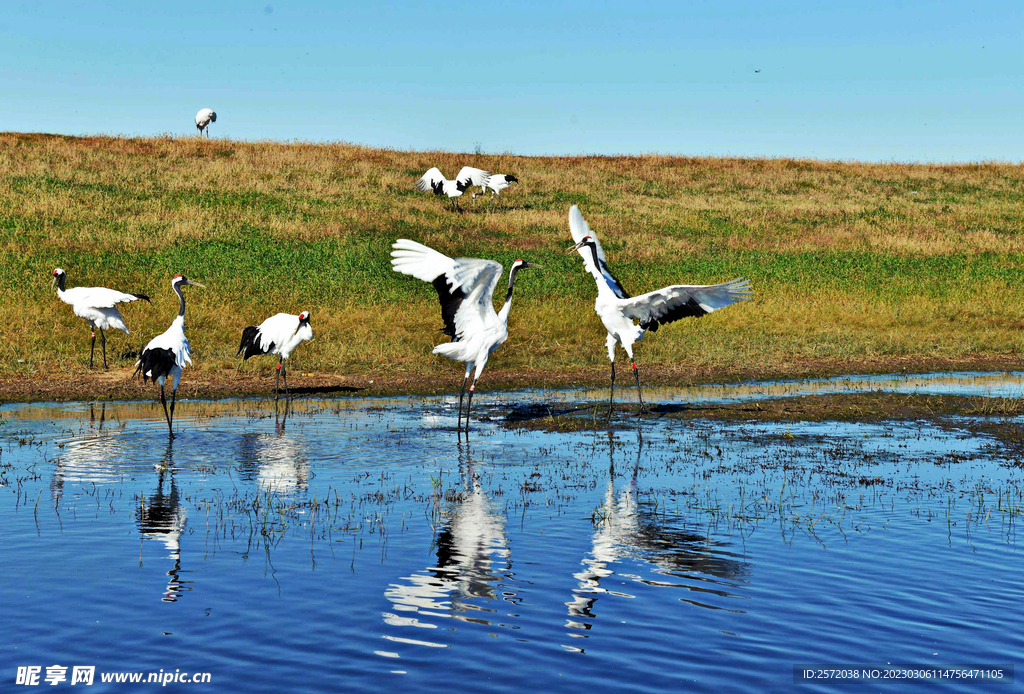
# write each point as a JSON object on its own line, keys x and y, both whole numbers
{"x": 854, "y": 266}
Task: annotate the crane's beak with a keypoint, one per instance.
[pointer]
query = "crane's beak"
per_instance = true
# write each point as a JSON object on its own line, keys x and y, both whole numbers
{"x": 195, "y": 284}
{"x": 532, "y": 265}
{"x": 577, "y": 246}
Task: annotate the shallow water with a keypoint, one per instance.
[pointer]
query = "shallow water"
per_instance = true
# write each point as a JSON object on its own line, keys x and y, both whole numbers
{"x": 359, "y": 545}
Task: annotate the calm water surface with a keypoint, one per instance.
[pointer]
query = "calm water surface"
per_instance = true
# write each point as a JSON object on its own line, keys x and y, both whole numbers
{"x": 358, "y": 545}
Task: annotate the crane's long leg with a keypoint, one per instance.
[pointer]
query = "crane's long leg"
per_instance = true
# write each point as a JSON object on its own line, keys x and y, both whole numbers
{"x": 174, "y": 398}
{"x": 462, "y": 393}
{"x": 639, "y": 394}
{"x": 92, "y": 345}
{"x": 103, "y": 337}
{"x": 469, "y": 404}
{"x": 163, "y": 401}
{"x": 284, "y": 375}
{"x": 277, "y": 379}
{"x": 611, "y": 395}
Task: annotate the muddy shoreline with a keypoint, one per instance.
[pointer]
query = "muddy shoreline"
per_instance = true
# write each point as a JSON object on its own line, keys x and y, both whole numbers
{"x": 118, "y": 384}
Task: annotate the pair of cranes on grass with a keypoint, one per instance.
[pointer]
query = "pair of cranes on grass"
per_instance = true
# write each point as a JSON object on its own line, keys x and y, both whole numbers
{"x": 465, "y": 289}
{"x": 467, "y": 177}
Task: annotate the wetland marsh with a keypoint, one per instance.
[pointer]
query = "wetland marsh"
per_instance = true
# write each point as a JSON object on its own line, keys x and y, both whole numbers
{"x": 355, "y": 541}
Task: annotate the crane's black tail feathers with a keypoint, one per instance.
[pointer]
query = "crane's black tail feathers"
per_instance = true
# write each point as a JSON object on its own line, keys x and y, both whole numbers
{"x": 155, "y": 363}
{"x": 141, "y": 297}
{"x": 251, "y": 343}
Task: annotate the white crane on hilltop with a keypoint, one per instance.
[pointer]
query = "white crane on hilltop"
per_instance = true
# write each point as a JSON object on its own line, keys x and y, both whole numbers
{"x": 203, "y": 120}
{"x": 465, "y": 288}
{"x": 497, "y": 183}
{"x": 468, "y": 176}
{"x": 168, "y": 353}
{"x": 618, "y": 310}
{"x": 97, "y": 306}
{"x": 279, "y": 334}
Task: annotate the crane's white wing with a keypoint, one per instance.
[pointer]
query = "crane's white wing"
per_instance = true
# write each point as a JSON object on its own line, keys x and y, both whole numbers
{"x": 476, "y": 312}
{"x": 98, "y": 297}
{"x": 419, "y": 261}
{"x": 477, "y": 177}
{"x": 424, "y": 263}
{"x": 430, "y": 179}
{"x": 579, "y": 229}
{"x": 683, "y": 301}
{"x": 455, "y": 280}
{"x": 277, "y": 330}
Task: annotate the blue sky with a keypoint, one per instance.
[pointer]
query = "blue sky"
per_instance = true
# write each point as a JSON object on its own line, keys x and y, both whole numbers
{"x": 880, "y": 81}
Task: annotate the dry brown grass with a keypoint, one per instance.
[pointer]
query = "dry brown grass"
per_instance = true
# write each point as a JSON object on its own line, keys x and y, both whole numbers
{"x": 849, "y": 261}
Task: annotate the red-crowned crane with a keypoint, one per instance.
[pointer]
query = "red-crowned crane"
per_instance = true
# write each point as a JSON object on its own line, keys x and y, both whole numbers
{"x": 465, "y": 288}
{"x": 97, "y": 306}
{"x": 168, "y": 353}
{"x": 497, "y": 183}
{"x": 468, "y": 176}
{"x": 203, "y": 120}
{"x": 618, "y": 310}
{"x": 279, "y": 334}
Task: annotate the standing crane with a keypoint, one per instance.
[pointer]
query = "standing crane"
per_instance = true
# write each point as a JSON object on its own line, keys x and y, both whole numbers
{"x": 465, "y": 288}
{"x": 203, "y": 120}
{"x": 497, "y": 183}
{"x": 468, "y": 176}
{"x": 168, "y": 353}
{"x": 279, "y": 334}
{"x": 618, "y": 310}
{"x": 97, "y": 306}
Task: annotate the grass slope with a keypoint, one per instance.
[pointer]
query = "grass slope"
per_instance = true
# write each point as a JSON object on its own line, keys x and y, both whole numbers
{"x": 851, "y": 263}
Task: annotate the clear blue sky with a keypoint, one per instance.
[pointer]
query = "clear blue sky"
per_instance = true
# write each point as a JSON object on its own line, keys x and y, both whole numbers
{"x": 908, "y": 81}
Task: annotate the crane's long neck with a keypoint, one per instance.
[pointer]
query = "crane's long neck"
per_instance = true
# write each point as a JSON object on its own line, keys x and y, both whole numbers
{"x": 503, "y": 314}
{"x": 603, "y": 289}
{"x": 181, "y": 301}
{"x": 597, "y": 261}
{"x": 60, "y": 283}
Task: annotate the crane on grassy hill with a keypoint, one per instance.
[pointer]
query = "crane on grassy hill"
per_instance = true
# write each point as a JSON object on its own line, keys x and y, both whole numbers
{"x": 468, "y": 176}
{"x": 497, "y": 183}
{"x": 203, "y": 120}
{"x": 97, "y": 306}
{"x": 279, "y": 334}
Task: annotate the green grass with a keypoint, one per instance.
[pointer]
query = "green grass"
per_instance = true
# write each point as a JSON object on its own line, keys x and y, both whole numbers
{"x": 849, "y": 262}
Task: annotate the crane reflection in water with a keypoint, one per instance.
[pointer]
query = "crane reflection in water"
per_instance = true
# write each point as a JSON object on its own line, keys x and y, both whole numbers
{"x": 162, "y": 517}
{"x": 473, "y": 558}
{"x": 627, "y": 532}
{"x": 78, "y": 461}
{"x": 278, "y": 461}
